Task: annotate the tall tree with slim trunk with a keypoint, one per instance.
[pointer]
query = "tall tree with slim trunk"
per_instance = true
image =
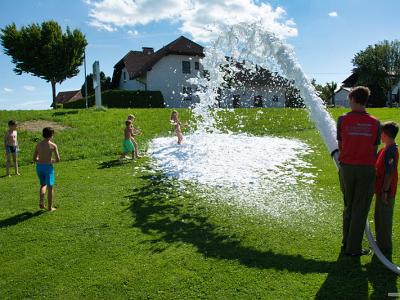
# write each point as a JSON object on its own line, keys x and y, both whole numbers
{"x": 45, "y": 51}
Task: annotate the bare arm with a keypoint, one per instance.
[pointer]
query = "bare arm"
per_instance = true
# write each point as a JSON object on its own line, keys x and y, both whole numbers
{"x": 136, "y": 131}
{"x": 35, "y": 155}
{"x": 132, "y": 133}
{"x": 56, "y": 154}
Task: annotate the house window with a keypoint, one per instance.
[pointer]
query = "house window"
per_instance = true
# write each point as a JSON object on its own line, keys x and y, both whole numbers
{"x": 124, "y": 75}
{"x": 196, "y": 65}
{"x": 258, "y": 101}
{"x": 236, "y": 101}
{"x": 186, "y": 67}
{"x": 275, "y": 98}
{"x": 187, "y": 93}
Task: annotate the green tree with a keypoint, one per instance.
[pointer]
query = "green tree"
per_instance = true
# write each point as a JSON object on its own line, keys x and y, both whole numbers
{"x": 326, "y": 92}
{"x": 105, "y": 83}
{"x": 378, "y": 67}
{"x": 43, "y": 50}
{"x": 329, "y": 92}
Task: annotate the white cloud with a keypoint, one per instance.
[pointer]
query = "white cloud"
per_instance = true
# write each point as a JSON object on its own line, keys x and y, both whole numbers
{"x": 133, "y": 33}
{"x": 29, "y": 88}
{"x": 202, "y": 19}
{"x": 8, "y": 90}
{"x": 101, "y": 26}
{"x": 333, "y": 14}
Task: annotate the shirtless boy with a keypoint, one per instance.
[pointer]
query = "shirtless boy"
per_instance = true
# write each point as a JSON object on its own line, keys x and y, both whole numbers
{"x": 177, "y": 126}
{"x": 43, "y": 157}
{"x": 11, "y": 146}
{"x": 128, "y": 145}
{"x": 135, "y": 132}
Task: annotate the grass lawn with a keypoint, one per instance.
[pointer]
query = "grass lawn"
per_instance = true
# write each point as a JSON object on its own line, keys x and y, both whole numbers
{"x": 123, "y": 230}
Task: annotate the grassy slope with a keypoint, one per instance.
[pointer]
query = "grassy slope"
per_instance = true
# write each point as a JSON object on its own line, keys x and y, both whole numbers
{"x": 122, "y": 231}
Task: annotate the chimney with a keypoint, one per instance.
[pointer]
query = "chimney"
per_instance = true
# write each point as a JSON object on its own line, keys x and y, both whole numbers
{"x": 148, "y": 50}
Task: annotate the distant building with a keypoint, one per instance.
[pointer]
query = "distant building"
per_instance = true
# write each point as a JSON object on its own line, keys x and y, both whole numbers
{"x": 342, "y": 93}
{"x": 168, "y": 69}
{"x": 341, "y": 96}
{"x": 395, "y": 95}
{"x": 68, "y": 96}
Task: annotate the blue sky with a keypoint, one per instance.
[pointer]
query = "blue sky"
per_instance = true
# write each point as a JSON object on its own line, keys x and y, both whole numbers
{"x": 325, "y": 33}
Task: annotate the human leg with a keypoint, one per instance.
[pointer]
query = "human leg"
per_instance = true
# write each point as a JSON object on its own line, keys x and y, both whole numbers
{"x": 8, "y": 163}
{"x": 363, "y": 193}
{"x": 50, "y": 195}
{"x": 42, "y": 192}
{"x": 383, "y": 225}
{"x": 136, "y": 151}
{"x": 347, "y": 180}
{"x": 14, "y": 156}
{"x": 180, "y": 138}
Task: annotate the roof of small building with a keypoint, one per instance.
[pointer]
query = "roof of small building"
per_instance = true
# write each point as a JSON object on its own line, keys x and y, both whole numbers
{"x": 68, "y": 96}
{"x": 348, "y": 89}
{"x": 137, "y": 63}
{"x": 351, "y": 80}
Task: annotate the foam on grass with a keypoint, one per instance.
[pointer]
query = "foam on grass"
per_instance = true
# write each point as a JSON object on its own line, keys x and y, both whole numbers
{"x": 268, "y": 174}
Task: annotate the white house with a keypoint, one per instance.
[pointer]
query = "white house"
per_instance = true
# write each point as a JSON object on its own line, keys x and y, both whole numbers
{"x": 341, "y": 96}
{"x": 168, "y": 69}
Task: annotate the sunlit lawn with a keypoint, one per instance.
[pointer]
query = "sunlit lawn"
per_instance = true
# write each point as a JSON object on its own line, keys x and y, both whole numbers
{"x": 123, "y": 230}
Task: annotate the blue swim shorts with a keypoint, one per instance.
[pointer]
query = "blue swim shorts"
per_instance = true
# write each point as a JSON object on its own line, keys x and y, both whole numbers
{"x": 11, "y": 149}
{"x": 45, "y": 173}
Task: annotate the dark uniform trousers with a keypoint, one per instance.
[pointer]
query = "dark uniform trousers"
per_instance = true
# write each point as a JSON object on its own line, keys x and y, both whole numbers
{"x": 357, "y": 185}
{"x": 383, "y": 225}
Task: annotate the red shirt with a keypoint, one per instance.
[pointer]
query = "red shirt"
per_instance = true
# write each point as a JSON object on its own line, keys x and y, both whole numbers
{"x": 387, "y": 163}
{"x": 359, "y": 134}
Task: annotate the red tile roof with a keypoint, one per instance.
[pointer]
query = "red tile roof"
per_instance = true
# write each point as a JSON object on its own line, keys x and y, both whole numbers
{"x": 68, "y": 96}
{"x": 138, "y": 63}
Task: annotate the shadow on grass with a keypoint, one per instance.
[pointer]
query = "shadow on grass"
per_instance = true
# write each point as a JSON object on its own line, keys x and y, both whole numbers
{"x": 19, "y": 218}
{"x": 350, "y": 276}
{"x": 347, "y": 280}
{"x": 112, "y": 163}
{"x": 158, "y": 213}
{"x": 63, "y": 113}
{"x": 383, "y": 281}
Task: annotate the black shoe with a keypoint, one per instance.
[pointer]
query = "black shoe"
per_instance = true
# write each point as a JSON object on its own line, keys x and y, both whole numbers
{"x": 363, "y": 252}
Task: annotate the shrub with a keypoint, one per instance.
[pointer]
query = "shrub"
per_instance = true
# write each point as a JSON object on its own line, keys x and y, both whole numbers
{"x": 123, "y": 99}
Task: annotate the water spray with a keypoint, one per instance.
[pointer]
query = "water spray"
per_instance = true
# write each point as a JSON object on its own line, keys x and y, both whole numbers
{"x": 246, "y": 43}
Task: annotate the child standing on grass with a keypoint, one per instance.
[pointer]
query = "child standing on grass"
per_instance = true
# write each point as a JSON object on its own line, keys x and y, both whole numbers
{"x": 136, "y": 132}
{"x": 177, "y": 126}
{"x": 43, "y": 157}
{"x": 128, "y": 145}
{"x": 11, "y": 146}
{"x": 385, "y": 187}
{"x": 358, "y": 135}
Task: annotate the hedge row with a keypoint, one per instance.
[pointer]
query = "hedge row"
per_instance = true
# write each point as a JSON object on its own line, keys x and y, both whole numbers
{"x": 123, "y": 99}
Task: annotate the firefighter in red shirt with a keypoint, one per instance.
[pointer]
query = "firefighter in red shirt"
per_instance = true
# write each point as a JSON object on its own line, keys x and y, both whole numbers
{"x": 358, "y": 135}
{"x": 385, "y": 187}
